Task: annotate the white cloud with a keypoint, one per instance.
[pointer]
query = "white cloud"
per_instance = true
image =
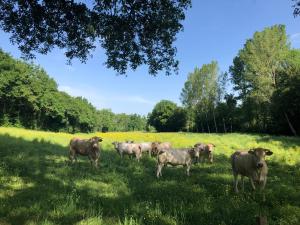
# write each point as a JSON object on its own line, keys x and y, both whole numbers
{"x": 118, "y": 103}
{"x": 70, "y": 90}
{"x": 92, "y": 95}
{"x": 133, "y": 99}
{"x": 295, "y": 38}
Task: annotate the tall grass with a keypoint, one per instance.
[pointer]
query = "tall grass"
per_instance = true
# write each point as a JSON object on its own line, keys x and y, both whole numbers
{"x": 39, "y": 186}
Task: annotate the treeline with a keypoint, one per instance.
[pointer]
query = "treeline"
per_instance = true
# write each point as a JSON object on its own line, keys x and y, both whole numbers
{"x": 259, "y": 93}
{"x": 29, "y": 98}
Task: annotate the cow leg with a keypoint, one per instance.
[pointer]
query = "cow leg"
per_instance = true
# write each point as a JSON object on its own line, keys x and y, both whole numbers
{"x": 96, "y": 162}
{"x": 202, "y": 159}
{"x": 236, "y": 181}
{"x": 91, "y": 159}
{"x": 72, "y": 155}
{"x": 252, "y": 183}
{"x": 243, "y": 183}
{"x": 159, "y": 168}
{"x": 188, "y": 166}
{"x": 137, "y": 157}
{"x": 75, "y": 157}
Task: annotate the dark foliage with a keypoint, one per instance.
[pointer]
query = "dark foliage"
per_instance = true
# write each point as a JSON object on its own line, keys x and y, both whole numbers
{"x": 131, "y": 32}
{"x": 30, "y": 99}
{"x": 167, "y": 116}
{"x": 296, "y": 7}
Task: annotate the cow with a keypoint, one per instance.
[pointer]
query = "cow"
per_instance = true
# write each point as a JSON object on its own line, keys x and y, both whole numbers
{"x": 206, "y": 152}
{"x": 156, "y": 147}
{"x": 251, "y": 164}
{"x": 85, "y": 147}
{"x": 124, "y": 148}
{"x": 176, "y": 157}
{"x": 146, "y": 147}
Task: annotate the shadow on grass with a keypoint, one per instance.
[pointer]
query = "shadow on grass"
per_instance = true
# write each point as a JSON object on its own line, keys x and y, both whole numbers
{"x": 283, "y": 141}
{"x": 38, "y": 185}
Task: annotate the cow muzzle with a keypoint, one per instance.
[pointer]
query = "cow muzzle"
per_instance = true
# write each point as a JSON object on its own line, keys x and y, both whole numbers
{"x": 260, "y": 165}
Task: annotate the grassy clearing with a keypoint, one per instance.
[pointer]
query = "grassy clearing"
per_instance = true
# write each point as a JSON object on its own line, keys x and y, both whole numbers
{"x": 37, "y": 186}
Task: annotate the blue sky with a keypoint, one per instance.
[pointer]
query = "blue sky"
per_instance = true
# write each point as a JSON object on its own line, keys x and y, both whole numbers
{"x": 213, "y": 30}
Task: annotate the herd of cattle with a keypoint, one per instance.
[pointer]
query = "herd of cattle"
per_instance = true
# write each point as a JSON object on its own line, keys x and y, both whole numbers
{"x": 250, "y": 163}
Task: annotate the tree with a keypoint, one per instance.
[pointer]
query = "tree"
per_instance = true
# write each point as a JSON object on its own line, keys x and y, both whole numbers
{"x": 286, "y": 98}
{"x": 178, "y": 119}
{"x": 200, "y": 95}
{"x": 29, "y": 98}
{"x": 296, "y": 7}
{"x": 264, "y": 55}
{"x": 166, "y": 116}
{"x": 256, "y": 74}
{"x": 106, "y": 120}
{"x": 131, "y": 32}
{"x": 227, "y": 114}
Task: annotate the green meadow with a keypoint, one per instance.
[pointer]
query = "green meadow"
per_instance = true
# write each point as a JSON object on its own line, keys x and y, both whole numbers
{"x": 39, "y": 186}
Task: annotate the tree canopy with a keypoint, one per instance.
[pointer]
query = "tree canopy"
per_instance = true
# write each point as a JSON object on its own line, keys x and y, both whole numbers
{"x": 30, "y": 98}
{"x": 131, "y": 32}
{"x": 167, "y": 116}
{"x": 200, "y": 95}
{"x": 296, "y": 7}
{"x": 259, "y": 71}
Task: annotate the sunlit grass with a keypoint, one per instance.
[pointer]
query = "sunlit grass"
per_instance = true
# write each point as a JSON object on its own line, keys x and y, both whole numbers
{"x": 39, "y": 186}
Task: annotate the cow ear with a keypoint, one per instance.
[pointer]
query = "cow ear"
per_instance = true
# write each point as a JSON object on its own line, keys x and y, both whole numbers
{"x": 100, "y": 139}
{"x": 268, "y": 152}
{"x": 214, "y": 145}
{"x": 251, "y": 151}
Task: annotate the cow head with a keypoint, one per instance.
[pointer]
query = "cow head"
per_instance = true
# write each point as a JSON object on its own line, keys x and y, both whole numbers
{"x": 259, "y": 156}
{"x": 209, "y": 148}
{"x": 195, "y": 152}
{"x": 115, "y": 144}
{"x": 154, "y": 147}
{"x": 95, "y": 141}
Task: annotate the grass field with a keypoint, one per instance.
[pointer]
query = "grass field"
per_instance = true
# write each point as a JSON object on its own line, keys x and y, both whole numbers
{"x": 38, "y": 186}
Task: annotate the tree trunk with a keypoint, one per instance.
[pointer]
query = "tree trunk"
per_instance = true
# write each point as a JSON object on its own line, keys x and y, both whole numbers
{"x": 261, "y": 220}
{"x": 224, "y": 126}
{"x": 4, "y": 107}
{"x": 202, "y": 127}
{"x": 290, "y": 124}
{"x": 207, "y": 123}
{"x": 216, "y": 128}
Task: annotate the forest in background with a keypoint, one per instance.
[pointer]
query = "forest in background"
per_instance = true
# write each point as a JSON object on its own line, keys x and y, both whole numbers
{"x": 29, "y": 98}
{"x": 259, "y": 93}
